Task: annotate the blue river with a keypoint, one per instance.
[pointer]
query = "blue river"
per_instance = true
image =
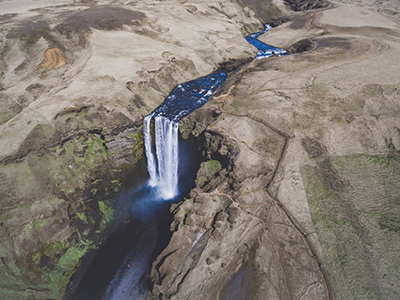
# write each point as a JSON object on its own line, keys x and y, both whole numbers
{"x": 189, "y": 96}
{"x": 264, "y": 50}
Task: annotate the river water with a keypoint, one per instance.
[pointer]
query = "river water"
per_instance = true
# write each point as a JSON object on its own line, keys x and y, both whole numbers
{"x": 264, "y": 50}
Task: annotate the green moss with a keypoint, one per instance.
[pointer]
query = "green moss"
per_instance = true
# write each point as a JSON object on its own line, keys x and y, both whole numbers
{"x": 115, "y": 184}
{"x": 207, "y": 171}
{"x": 66, "y": 266}
{"x": 96, "y": 152}
{"x": 108, "y": 215}
{"x": 97, "y": 181}
{"x": 137, "y": 135}
{"x": 139, "y": 144}
{"x": 389, "y": 223}
{"x": 36, "y": 257}
{"x": 358, "y": 224}
{"x": 64, "y": 170}
{"x": 83, "y": 112}
{"x": 213, "y": 143}
{"x": 48, "y": 282}
{"x": 38, "y": 224}
{"x": 93, "y": 191}
{"x": 106, "y": 211}
{"x": 186, "y": 127}
{"x": 82, "y": 216}
{"x": 52, "y": 279}
{"x": 90, "y": 151}
{"x": 149, "y": 295}
{"x": 213, "y": 165}
{"x": 71, "y": 165}
{"x": 15, "y": 270}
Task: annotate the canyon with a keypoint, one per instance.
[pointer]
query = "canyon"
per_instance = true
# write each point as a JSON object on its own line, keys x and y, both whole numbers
{"x": 297, "y": 196}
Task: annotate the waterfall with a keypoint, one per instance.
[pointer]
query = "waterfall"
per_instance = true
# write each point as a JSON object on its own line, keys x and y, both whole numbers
{"x": 162, "y": 151}
{"x": 166, "y": 132}
{"x": 162, "y": 167}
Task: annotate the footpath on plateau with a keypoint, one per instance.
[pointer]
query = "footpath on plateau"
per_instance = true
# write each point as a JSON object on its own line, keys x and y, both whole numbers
{"x": 298, "y": 196}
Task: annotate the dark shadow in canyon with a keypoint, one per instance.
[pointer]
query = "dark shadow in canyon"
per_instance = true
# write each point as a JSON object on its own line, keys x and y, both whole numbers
{"x": 136, "y": 235}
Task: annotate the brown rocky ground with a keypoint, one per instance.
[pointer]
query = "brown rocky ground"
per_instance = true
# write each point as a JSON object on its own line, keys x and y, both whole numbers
{"x": 306, "y": 143}
{"x": 317, "y": 131}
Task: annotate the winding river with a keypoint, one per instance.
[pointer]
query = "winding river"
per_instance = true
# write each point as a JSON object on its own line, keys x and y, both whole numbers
{"x": 264, "y": 50}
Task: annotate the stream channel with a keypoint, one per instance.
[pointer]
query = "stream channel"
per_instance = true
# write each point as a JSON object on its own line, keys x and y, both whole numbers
{"x": 120, "y": 268}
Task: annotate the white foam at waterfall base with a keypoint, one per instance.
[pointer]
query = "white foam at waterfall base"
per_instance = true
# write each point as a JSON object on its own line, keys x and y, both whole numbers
{"x": 162, "y": 162}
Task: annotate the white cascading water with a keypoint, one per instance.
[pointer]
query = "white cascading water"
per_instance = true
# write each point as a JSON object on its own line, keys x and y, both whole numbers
{"x": 151, "y": 165}
{"x": 162, "y": 167}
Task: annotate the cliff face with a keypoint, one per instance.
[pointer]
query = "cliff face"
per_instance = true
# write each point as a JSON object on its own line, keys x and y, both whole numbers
{"x": 303, "y": 159}
{"x": 232, "y": 238}
{"x": 76, "y": 80}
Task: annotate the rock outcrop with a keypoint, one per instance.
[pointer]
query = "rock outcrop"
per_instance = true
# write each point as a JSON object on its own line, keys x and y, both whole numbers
{"x": 232, "y": 238}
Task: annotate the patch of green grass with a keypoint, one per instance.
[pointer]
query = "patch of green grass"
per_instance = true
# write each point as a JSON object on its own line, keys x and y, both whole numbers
{"x": 207, "y": 170}
{"x": 213, "y": 143}
{"x": 358, "y": 224}
{"x": 390, "y": 223}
